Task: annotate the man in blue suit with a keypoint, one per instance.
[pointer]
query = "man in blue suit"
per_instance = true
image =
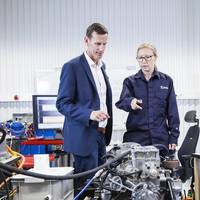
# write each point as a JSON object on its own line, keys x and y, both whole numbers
{"x": 85, "y": 99}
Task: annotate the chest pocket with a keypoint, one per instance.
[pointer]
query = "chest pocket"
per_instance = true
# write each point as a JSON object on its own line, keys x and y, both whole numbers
{"x": 162, "y": 94}
{"x": 161, "y": 101}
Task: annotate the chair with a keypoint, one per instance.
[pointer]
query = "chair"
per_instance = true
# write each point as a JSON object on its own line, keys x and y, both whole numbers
{"x": 188, "y": 146}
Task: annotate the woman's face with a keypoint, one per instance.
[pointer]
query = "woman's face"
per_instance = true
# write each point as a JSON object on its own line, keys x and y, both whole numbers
{"x": 146, "y": 60}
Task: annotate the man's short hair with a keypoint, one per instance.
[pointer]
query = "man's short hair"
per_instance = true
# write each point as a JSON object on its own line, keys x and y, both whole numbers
{"x": 96, "y": 27}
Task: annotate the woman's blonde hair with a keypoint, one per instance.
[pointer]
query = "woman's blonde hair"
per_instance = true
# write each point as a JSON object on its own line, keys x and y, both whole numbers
{"x": 149, "y": 46}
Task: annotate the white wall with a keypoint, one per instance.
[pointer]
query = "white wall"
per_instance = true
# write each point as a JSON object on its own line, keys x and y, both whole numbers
{"x": 41, "y": 35}
{"x": 38, "y": 36}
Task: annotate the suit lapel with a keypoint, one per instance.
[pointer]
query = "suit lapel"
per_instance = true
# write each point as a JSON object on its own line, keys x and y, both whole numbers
{"x": 105, "y": 78}
{"x": 109, "y": 90}
{"x": 88, "y": 70}
{"x": 90, "y": 76}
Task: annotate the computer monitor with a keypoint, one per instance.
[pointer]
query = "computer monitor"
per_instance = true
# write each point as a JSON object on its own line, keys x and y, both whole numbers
{"x": 45, "y": 114}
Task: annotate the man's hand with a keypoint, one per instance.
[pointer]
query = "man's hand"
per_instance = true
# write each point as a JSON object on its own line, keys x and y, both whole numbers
{"x": 172, "y": 146}
{"x": 99, "y": 116}
{"x": 136, "y": 104}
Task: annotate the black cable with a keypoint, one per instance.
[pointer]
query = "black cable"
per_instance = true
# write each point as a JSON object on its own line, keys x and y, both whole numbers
{"x": 102, "y": 182}
{"x": 161, "y": 147}
{"x": 7, "y": 172}
{"x": 117, "y": 196}
{"x": 108, "y": 155}
{"x": 184, "y": 194}
{"x": 3, "y": 136}
{"x": 52, "y": 177}
{"x": 6, "y": 185}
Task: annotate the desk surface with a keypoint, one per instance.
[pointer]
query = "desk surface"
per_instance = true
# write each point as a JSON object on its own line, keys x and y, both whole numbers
{"x": 42, "y": 142}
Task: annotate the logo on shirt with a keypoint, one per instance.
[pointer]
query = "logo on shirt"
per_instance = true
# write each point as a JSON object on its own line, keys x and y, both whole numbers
{"x": 163, "y": 87}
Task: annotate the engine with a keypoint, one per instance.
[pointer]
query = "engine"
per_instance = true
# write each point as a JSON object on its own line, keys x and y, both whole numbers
{"x": 138, "y": 176}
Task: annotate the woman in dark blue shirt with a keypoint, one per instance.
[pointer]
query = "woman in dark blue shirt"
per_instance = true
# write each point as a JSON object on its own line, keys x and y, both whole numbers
{"x": 150, "y": 99}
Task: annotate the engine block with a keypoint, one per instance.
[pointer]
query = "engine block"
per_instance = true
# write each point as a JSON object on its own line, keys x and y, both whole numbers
{"x": 139, "y": 175}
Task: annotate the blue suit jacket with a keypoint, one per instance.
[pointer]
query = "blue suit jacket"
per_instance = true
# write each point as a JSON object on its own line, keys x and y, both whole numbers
{"x": 77, "y": 98}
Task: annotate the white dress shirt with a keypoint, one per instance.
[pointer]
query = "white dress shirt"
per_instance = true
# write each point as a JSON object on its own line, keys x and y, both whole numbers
{"x": 100, "y": 85}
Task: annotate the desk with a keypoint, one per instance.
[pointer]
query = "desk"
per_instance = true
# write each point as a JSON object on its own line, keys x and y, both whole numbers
{"x": 34, "y": 188}
{"x": 197, "y": 175}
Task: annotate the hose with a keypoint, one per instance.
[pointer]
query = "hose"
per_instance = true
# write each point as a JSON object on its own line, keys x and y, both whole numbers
{"x": 3, "y": 136}
{"x": 15, "y": 154}
{"x": 64, "y": 177}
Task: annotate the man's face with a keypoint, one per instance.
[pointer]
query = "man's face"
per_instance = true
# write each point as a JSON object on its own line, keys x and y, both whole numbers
{"x": 96, "y": 46}
{"x": 146, "y": 60}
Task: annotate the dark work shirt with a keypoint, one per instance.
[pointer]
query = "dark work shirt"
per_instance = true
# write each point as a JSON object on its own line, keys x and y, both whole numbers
{"x": 159, "y": 115}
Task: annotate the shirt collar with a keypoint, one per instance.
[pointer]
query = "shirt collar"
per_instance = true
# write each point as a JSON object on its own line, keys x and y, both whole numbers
{"x": 140, "y": 74}
{"x": 91, "y": 62}
{"x": 156, "y": 73}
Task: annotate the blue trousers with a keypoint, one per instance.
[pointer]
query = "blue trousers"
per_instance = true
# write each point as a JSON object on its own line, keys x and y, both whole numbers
{"x": 85, "y": 163}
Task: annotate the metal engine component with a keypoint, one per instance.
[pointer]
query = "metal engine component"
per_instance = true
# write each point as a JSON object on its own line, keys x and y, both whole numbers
{"x": 138, "y": 176}
{"x": 171, "y": 164}
{"x": 147, "y": 160}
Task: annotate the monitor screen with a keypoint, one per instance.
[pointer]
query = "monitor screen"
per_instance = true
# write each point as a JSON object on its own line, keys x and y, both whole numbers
{"x": 45, "y": 114}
